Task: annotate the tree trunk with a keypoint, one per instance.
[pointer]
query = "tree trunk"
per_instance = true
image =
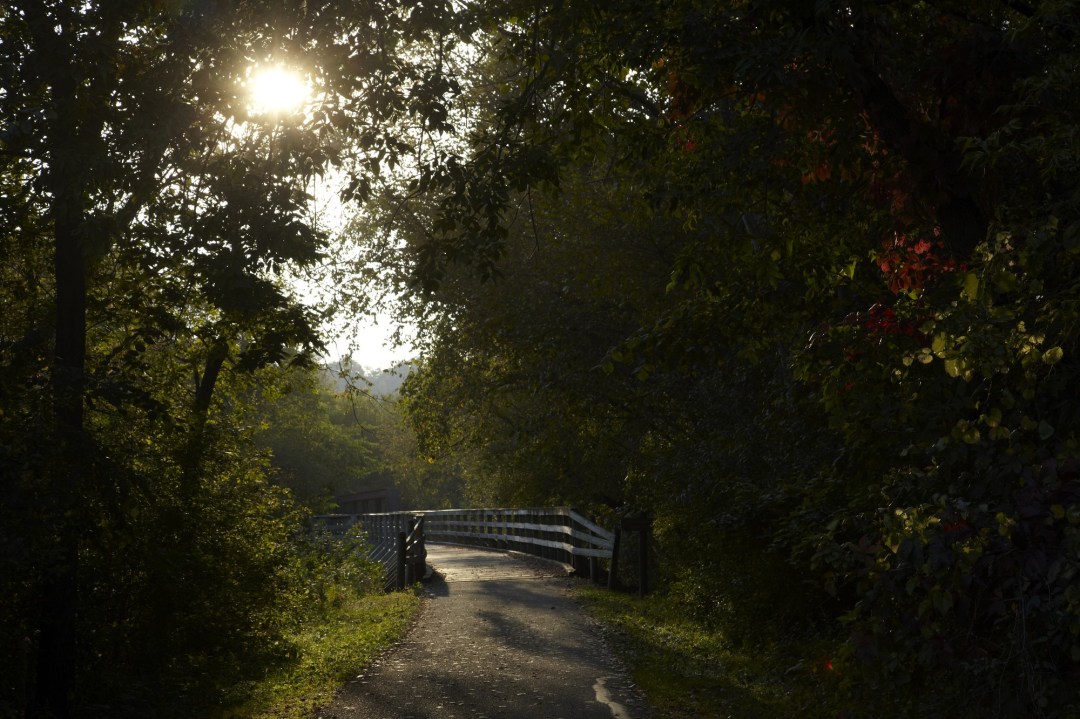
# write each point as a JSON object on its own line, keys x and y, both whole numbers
{"x": 67, "y": 179}
{"x": 59, "y": 599}
{"x": 200, "y": 410}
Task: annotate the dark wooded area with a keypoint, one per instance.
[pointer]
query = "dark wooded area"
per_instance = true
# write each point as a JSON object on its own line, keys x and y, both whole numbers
{"x": 796, "y": 280}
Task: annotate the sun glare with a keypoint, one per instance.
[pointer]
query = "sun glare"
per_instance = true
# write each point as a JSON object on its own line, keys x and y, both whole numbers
{"x": 277, "y": 90}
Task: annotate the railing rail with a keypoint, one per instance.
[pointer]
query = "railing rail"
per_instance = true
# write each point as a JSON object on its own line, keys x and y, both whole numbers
{"x": 559, "y": 534}
{"x": 395, "y": 540}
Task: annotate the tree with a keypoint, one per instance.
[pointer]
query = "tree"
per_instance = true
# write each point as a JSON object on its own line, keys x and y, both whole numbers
{"x": 878, "y": 196}
{"x": 321, "y": 443}
{"x": 510, "y": 381}
{"x": 164, "y": 209}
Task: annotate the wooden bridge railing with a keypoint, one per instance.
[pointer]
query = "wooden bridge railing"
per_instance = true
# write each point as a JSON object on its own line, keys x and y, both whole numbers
{"x": 395, "y": 540}
{"x": 558, "y": 534}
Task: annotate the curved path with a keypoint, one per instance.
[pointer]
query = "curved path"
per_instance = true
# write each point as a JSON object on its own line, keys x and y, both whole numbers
{"x": 499, "y": 636}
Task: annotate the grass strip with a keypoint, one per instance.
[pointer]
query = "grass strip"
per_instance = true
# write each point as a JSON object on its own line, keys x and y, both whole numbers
{"x": 326, "y": 653}
{"x": 689, "y": 669}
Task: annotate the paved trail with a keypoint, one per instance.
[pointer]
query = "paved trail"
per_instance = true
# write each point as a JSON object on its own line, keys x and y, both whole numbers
{"x": 498, "y": 637}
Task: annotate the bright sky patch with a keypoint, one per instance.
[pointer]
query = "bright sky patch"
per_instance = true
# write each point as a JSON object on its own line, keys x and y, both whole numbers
{"x": 277, "y": 90}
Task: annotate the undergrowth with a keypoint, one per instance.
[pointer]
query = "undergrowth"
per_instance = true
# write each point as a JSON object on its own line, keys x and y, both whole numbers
{"x": 688, "y": 667}
{"x": 323, "y": 654}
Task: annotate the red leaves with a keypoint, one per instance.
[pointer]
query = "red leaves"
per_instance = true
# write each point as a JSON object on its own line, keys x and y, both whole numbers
{"x": 881, "y": 321}
{"x": 819, "y": 173}
{"x": 910, "y": 263}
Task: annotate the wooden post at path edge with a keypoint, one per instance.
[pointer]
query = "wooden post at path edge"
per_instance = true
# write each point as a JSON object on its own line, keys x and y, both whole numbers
{"x": 401, "y": 560}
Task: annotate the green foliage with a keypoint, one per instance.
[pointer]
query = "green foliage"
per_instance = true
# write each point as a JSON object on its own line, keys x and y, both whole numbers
{"x": 228, "y": 558}
{"x": 326, "y": 619}
{"x": 148, "y": 218}
{"x": 509, "y": 387}
{"x": 797, "y": 276}
{"x": 319, "y": 444}
{"x": 322, "y": 654}
{"x": 716, "y": 667}
{"x": 853, "y": 337}
{"x": 327, "y": 570}
{"x": 424, "y": 481}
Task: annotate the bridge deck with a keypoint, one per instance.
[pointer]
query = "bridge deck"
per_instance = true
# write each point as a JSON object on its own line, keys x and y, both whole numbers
{"x": 499, "y": 636}
{"x": 461, "y": 564}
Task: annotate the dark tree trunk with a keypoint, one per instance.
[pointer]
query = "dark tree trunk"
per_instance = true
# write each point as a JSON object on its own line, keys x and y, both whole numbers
{"x": 59, "y": 600}
{"x": 204, "y": 393}
{"x": 66, "y": 175}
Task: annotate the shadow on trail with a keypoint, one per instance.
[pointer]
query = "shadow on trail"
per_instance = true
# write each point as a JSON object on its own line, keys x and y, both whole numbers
{"x": 495, "y": 639}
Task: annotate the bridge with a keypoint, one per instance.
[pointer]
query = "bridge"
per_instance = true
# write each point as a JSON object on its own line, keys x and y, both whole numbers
{"x": 398, "y": 540}
{"x": 500, "y": 634}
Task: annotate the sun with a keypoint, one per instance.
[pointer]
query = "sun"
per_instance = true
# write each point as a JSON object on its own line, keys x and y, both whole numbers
{"x": 277, "y": 90}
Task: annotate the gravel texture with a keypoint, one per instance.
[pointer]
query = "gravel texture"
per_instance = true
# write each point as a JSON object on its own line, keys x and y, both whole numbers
{"x": 499, "y": 636}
